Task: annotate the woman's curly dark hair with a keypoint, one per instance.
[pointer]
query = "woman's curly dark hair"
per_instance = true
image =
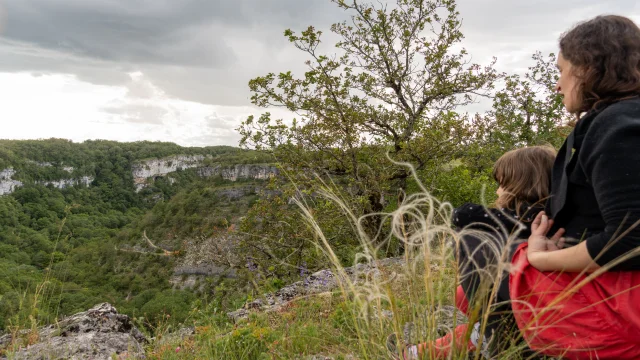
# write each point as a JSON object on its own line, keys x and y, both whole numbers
{"x": 606, "y": 52}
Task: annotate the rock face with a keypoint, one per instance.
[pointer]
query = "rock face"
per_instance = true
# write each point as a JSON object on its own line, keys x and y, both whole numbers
{"x": 65, "y": 183}
{"x": 151, "y": 169}
{"x": 318, "y": 282}
{"x": 233, "y": 173}
{"x": 99, "y": 333}
{"x": 164, "y": 166}
{"x": 7, "y": 184}
{"x": 161, "y": 167}
{"x": 238, "y": 192}
{"x": 145, "y": 171}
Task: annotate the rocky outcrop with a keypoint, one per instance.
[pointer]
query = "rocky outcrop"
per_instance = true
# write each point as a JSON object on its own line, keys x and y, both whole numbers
{"x": 234, "y": 173}
{"x": 318, "y": 282}
{"x": 99, "y": 333}
{"x": 237, "y": 192}
{"x": 7, "y": 184}
{"x": 146, "y": 171}
{"x": 65, "y": 183}
{"x": 164, "y": 166}
{"x": 207, "y": 258}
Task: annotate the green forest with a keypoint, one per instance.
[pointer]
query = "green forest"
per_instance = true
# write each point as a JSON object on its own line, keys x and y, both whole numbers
{"x": 61, "y": 250}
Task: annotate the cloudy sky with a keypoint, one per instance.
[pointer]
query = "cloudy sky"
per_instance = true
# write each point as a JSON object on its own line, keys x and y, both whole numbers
{"x": 177, "y": 70}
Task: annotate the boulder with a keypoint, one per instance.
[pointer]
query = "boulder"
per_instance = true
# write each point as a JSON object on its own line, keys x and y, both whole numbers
{"x": 98, "y": 333}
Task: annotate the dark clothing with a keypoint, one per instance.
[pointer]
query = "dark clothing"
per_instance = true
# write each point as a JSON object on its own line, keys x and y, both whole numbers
{"x": 479, "y": 255}
{"x": 497, "y": 222}
{"x": 477, "y": 216}
{"x": 595, "y": 196}
{"x": 477, "y": 252}
{"x": 596, "y": 190}
{"x": 484, "y": 252}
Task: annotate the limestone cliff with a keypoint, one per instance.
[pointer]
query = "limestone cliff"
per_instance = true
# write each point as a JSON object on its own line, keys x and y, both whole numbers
{"x": 233, "y": 173}
{"x": 164, "y": 166}
{"x": 7, "y": 184}
{"x": 64, "y": 183}
{"x": 146, "y": 171}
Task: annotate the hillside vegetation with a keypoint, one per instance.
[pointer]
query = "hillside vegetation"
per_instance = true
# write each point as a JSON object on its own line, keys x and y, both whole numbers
{"x": 63, "y": 250}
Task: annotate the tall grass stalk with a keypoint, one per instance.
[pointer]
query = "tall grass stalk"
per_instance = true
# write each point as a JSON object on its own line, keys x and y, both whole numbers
{"x": 423, "y": 225}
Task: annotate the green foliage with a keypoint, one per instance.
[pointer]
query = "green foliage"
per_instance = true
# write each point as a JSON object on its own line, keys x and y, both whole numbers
{"x": 459, "y": 184}
{"x": 527, "y": 111}
{"x": 168, "y": 302}
{"x": 391, "y": 94}
{"x": 58, "y": 247}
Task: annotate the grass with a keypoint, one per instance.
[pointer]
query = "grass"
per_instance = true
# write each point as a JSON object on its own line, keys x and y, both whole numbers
{"x": 328, "y": 324}
{"x": 23, "y": 326}
{"x": 353, "y": 321}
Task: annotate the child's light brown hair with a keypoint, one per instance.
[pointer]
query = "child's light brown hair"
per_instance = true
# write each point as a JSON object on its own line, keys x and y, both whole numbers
{"x": 525, "y": 176}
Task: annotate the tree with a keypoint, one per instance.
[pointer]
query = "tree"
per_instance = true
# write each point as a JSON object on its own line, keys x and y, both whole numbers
{"x": 392, "y": 89}
{"x": 527, "y": 111}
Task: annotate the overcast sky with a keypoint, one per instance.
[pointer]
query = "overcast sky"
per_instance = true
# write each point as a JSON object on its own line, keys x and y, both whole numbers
{"x": 177, "y": 70}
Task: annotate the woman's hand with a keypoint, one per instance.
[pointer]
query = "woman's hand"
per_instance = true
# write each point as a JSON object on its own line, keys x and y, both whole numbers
{"x": 539, "y": 244}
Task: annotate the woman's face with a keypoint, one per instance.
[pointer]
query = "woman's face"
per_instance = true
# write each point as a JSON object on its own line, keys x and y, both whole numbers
{"x": 500, "y": 191}
{"x": 567, "y": 85}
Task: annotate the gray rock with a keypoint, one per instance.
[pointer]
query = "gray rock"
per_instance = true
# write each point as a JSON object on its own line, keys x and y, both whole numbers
{"x": 238, "y": 315}
{"x": 316, "y": 283}
{"x": 236, "y": 193}
{"x": 98, "y": 333}
{"x": 177, "y": 336}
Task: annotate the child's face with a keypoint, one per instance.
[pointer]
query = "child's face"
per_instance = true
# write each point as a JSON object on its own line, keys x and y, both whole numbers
{"x": 500, "y": 191}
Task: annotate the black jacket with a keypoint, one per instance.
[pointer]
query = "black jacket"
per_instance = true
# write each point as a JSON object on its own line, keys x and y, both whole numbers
{"x": 499, "y": 223}
{"x": 489, "y": 219}
{"x": 596, "y": 190}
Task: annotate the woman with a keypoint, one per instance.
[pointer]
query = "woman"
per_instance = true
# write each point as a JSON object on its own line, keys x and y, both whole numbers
{"x": 581, "y": 302}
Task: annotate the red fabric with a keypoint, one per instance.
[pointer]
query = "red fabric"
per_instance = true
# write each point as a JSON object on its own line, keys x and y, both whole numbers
{"x": 461, "y": 300}
{"x": 600, "y": 320}
{"x": 443, "y": 347}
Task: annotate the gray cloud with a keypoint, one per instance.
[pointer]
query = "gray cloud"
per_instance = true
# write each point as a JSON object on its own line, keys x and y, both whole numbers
{"x": 200, "y": 50}
{"x": 183, "y": 33}
{"x": 206, "y": 51}
{"x": 138, "y": 113}
{"x": 216, "y": 122}
{"x": 514, "y": 30}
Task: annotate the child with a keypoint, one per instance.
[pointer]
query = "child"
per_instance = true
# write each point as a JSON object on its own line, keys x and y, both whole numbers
{"x": 523, "y": 176}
